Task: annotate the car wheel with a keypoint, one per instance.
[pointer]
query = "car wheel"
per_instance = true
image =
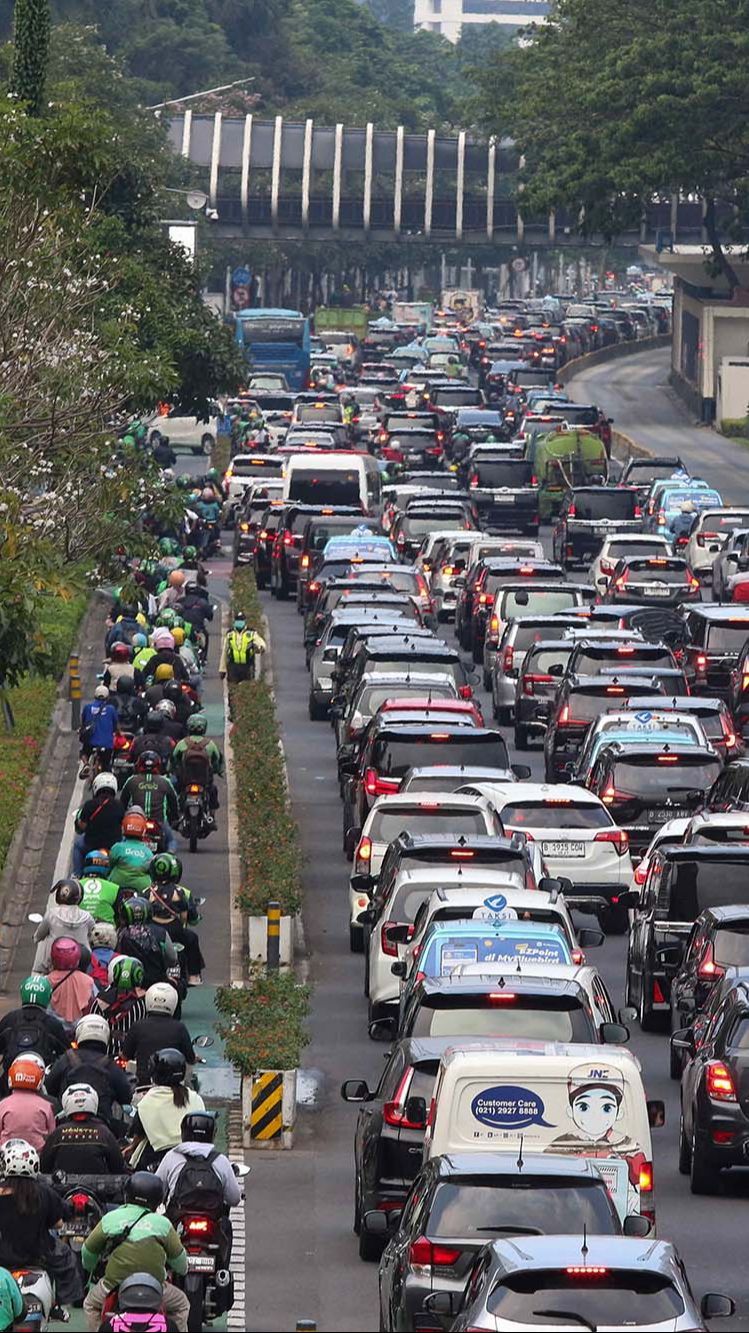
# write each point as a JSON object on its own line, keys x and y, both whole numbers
{"x": 521, "y": 736}
{"x": 703, "y": 1179}
{"x": 685, "y": 1151}
{"x": 355, "y": 938}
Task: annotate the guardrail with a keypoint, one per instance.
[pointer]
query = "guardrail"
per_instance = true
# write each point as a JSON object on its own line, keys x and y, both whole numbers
{"x": 623, "y": 446}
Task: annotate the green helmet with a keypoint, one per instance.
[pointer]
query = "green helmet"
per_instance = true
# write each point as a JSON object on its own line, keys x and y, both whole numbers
{"x": 212, "y": 474}
{"x": 184, "y": 481}
{"x": 136, "y": 911}
{"x": 166, "y": 868}
{"x": 167, "y": 545}
{"x": 36, "y": 990}
{"x": 197, "y": 724}
{"x": 190, "y": 553}
{"x": 166, "y": 617}
{"x": 125, "y": 973}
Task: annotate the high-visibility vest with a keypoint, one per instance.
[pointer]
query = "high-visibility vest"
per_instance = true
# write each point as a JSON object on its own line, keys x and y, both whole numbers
{"x": 240, "y": 645}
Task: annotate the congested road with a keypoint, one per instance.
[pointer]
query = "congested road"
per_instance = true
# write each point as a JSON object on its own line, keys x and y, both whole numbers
{"x": 311, "y": 1190}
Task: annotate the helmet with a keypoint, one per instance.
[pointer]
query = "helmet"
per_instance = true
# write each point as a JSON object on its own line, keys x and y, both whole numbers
{"x": 120, "y": 652}
{"x": 167, "y": 545}
{"x": 166, "y": 868}
{"x": 18, "y": 1158}
{"x": 166, "y": 707}
{"x": 68, "y": 891}
{"x": 36, "y": 990}
{"x": 140, "y": 640}
{"x": 167, "y": 616}
{"x": 65, "y": 954}
{"x": 190, "y": 553}
{"x": 184, "y": 481}
{"x": 176, "y": 578}
{"x": 140, "y": 1291}
{"x": 178, "y": 634}
{"x": 136, "y": 911}
{"x": 96, "y": 862}
{"x": 134, "y": 825}
{"x": 173, "y": 691}
{"x": 104, "y": 782}
{"x": 240, "y": 620}
{"x": 167, "y": 1068}
{"x": 92, "y": 1027}
{"x": 197, "y": 724}
{"x": 198, "y": 1127}
{"x": 208, "y": 494}
{"x": 154, "y": 720}
{"x": 164, "y": 671}
{"x": 80, "y": 1099}
{"x": 101, "y": 692}
{"x": 26, "y": 1071}
{"x": 102, "y": 935}
{"x": 145, "y": 1188}
{"x": 161, "y": 998}
{"x": 148, "y": 762}
{"x": 162, "y": 638}
{"x": 125, "y": 685}
{"x": 212, "y": 474}
{"x": 125, "y": 973}
{"x": 688, "y": 507}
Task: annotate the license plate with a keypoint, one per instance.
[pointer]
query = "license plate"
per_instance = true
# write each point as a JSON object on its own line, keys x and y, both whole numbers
{"x": 655, "y": 590}
{"x": 200, "y": 1263}
{"x": 600, "y": 528}
{"x": 503, "y": 499}
{"x": 661, "y": 816}
{"x": 563, "y": 848}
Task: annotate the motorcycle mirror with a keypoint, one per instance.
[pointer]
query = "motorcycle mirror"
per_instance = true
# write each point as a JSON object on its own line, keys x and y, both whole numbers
{"x": 203, "y": 1042}
{"x": 36, "y": 917}
{"x": 241, "y": 1169}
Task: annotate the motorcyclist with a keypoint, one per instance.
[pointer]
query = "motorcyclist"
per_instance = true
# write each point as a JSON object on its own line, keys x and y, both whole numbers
{"x": 26, "y": 1111}
{"x": 213, "y": 480}
{"x": 153, "y": 793}
{"x": 194, "y": 567}
{"x": 172, "y": 595}
{"x": 121, "y": 1000}
{"x": 30, "y": 1211}
{"x": 159, "y": 1029}
{"x": 685, "y": 520}
{"x": 98, "y": 725}
{"x": 131, "y": 708}
{"x": 140, "y": 1305}
{"x": 102, "y": 941}
{"x": 165, "y": 656}
{"x": 117, "y": 665}
{"x": 158, "y": 1119}
{"x": 12, "y": 1304}
{"x": 198, "y": 759}
{"x": 65, "y": 916}
{"x": 124, "y": 624}
{"x": 141, "y": 938}
{"x": 98, "y": 821}
{"x": 183, "y": 699}
{"x": 187, "y": 654}
{"x": 198, "y": 1132}
{"x": 72, "y": 989}
{"x": 170, "y": 908}
{"x": 143, "y": 652}
{"x": 153, "y": 738}
{"x": 197, "y": 608}
{"x": 132, "y": 1239}
{"x": 162, "y": 451}
{"x": 101, "y": 896}
{"x": 82, "y": 1144}
{"x": 89, "y": 1062}
{"x": 131, "y": 856}
{"x": 208, "y": 510}
{"x": 240, "y": 648}
{"x": 31, "y": 1027}
{"x": 171, "y": 727}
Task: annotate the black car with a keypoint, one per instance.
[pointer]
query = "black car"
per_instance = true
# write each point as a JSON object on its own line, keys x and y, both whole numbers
{"x": 738, "y": 693}
{"x": 414, "y": 447}
{"x": 644, "y": 785}
{"x": 719, "y": 940}
{"x": 390, "y": 1132}
{"x": 411, "y": 850}
{"x": 714, "y": 1127}
{"x": 731, "y": 789}
{"x": 591, "y": 656}
{"x": 682, "y": 882}
{"x": 716, "y": 636}
{"x": 642, "y": 472}
{"x": 287, "y": 546}
{"x": 331, "y": 522}
{"x": 580, "y": 701}
{"x": 250, "y": 510}
{"x": 420, "y": 519}
{"x": 271, "y": 522}
{"x": 588, "y": 515}
{"x": 506, "y": 493}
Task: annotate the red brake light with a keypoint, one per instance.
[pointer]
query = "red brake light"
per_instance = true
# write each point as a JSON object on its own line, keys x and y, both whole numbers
{"x": 263, "y": 534}
{"x": 287, "y": 539}
{"x": 374, "y": 785}
{"x": 641, "y": 873}
{"x": 501, "y": 997}
{"x": 625, "y": 652}
{"x": 394, "y": 1112}
{"x": 425, "y": 1254}
{"x": 198, "y": 1226}
{"x": 668, "y": 758}
{"x": 615, "y": 689}
{"x": 465, "y": 692}
{"x": 363, "y": 852}
{"x": 719, "y": 1082}
{"x": 389, "y": 946}
{"x": 619, "y": 838}
{"x": 608, "y": 794}
{"x": 700, "y": 662}
{"x": 80, "y": 1201}
{"x": 708, "y": 969}
{"x": 564, "y": 716}
{"x": 572, "y": 511}
{"x": 462, "y": 854}
{"x": 486, "y": 599}
{"x": 508, "y": 659}
{"x": 585, "y": 1271}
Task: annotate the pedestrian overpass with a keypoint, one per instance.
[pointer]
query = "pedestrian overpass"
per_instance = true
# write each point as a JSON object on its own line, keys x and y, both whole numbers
{"x": 296, "y": 179}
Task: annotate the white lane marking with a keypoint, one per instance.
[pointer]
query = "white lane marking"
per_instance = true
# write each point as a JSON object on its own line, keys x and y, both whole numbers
{"x": 62, "y": 864}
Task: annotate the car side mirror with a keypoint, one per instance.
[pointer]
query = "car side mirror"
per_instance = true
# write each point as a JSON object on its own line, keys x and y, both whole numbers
{"x": 382, "y": 1029}
{"x": 629, "y": 899}
{"x": 520, "y": 771}
{"x": 548, "y": 885}
{"x": 637, "y": 1226}
{"x": 367, "y": 917}
{"x": 439, "y": 1302}
{"x": 376, "y": 1223}
{"x": 589, "y": 937}
{"x": 556, "y": 669}
{"x": 683, "y": 1040}
{"x": 416, "y": 1112}
{"x": 330, "y": 655}
{"x": 355, "y": 1090}
{"x": 715, "y": 1306}
{"x": 656, "y": 1114}
{"x": 398, "y": 968}
{"x": 361, "y": 883}
{"x": 459, "y": 582}
{"x": 335, "y": 712}
{"x": 614, "y": 1034}
{"x": 347, "y": 768}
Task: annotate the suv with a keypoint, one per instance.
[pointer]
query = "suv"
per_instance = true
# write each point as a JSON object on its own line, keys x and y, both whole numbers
{"x": 719, "y": 940}
{"x": 320, "y": 527}
{"x": 536, "y": 687}
{"x": 271, "y": 522}
{"x": 730, "y": 791}
{"x": 506, "y": 494}
{"x": 588, "y": 515}
{"x": 643, "y": 786}
{"x": 422, "y": 515}
{"x": 716, "y": 636}
{"x": 286, "y": 549}
{"x": 714, "y": 1129}
{"x": 580, "y": 700}
{"x": 594, "y": 656}
{"x": 522, "y": 597}
{"x": 518, "y": 636}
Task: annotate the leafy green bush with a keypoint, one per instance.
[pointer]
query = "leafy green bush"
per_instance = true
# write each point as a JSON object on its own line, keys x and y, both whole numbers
{"x": 736, "y": 428}
{"x": 262, "y": 1027}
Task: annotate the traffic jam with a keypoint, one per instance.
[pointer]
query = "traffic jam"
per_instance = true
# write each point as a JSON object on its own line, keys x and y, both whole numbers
{"x": 532, "y": 657}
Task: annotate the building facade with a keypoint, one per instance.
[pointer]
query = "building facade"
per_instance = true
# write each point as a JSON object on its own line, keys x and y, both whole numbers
{"x": 447, "y": 17}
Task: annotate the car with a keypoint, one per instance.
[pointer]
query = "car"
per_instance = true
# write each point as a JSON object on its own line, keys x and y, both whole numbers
{"x": 506, "y": 494}
{"x": 324, "y": 651}
{"x": 672, "y": 832}
{"x": 518, "y": 636}
{"x": 580, "y": 701}
{"x": 246, "y": 470}
{"x": 536, "y": 684}
{"x": 682, "y": 882}
{"x": 409, "y": 529}
{"x": 618, "y": 546}
{"x": 714, "y": 1128}
{"x": 450, "y": 946}
{"x": 435, "y": 541}
{"x": 653, "y": 580}
{"x": 730, "y": 791}
{"x": 589, "y": 514}
{"x": 715, "y": 637}
{"x": 248, "y": 516}
{"x": 521, "y": 597}
{"x": 453, "y": 554}
{"x": 730, "y": 564}
{"x": 706, "y": 828}
{"x": 601, "y": 1282}
{"x": 270, "y": 522}
{"x": 709, "y": 535}
{"x": 635, "y": 724}
{"x": 349, "y": 723}
{"x": 420, "y": 653}
{"x": 718, "y": 941}
{"x": 672, "y": 502}
{"x": 592, "y": 656}
{"x": 495, "y": 579}
{"x": 365, "y": 615}
{"x": 287, "y": 547}
{"x": 317, "y": 531}
{"x": 460, "y": 711}
{"x": 713, "y": 714}
{"x": 456, "y": 1203}
{"x": 644, "y": 785}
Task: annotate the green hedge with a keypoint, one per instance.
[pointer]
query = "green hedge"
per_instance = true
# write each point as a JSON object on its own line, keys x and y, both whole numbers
{"x": 262, "y": 1027}
{"x": 736, "y": 428}
{"x": 269, "y": 853}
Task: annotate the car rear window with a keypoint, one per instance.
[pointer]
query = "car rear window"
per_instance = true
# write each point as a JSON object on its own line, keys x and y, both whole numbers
{"x": 321, "y": 534}
{"x": 371, "y": 698}
{"x": 723, "y": 522}
{"x": 502, "y": 472}
{"x": 532, "y": 1016}
{"x": 542, "y": 660}
{"x": 336, "y": 488}
{"x": 615, "y": 1299}
{"x": 255, "y": 467}
{"x": 390, "y": 823}
{"x": 589, "y": 661}
{"x": 311, "y": 412}
{"x": 401, "y": 580}
{"x": 456, "y": 398}
{"x": 394, "y": 757}
{"x": 585, "y": 705}
{"x": 480, "y": 1207}
{"x": 656, "y": 777}
{"x": 529, "y": 601}
{"x": 731, "y": 945}
{"x": 445, "y": 953}
{"x": 580, "y": 416}
{"x": 720, "y": 833}
{"x": 694, "y": 885}
{"x": 616, "y": 504}
{"x": 656, "y": 570}
{"x": 727, "y": 638}
{"x": 421, "y": 527}
{"x": 413, "y": 439}
{"x": 554, "y": 814}
{"x": 630, "y": 547}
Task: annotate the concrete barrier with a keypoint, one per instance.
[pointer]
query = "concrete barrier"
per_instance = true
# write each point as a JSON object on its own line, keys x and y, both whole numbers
{"x": 614, "y": 353}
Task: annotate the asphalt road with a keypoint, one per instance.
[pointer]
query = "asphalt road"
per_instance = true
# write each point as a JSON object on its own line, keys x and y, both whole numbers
{"x": 303, "y": 1260}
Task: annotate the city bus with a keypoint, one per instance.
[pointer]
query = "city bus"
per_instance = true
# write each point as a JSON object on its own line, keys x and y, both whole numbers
{"x": 275, "y": 341}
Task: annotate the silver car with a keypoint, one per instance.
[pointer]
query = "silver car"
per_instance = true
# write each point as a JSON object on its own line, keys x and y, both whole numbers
{"x": 517, "y": 637}
{"x": 563, "y": 1282}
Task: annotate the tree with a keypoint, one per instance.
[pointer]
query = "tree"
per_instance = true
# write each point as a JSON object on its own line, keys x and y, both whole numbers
{"x": 31, "y": 42}
{"x": 613, "y": 104}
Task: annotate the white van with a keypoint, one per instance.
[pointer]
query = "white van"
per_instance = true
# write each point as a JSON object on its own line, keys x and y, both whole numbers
{"x": 338, "y": 478}
{"x": 574, "y": 1100}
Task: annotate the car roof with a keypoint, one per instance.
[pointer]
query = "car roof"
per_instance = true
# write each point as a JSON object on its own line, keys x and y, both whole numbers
{"x": 720, "y": 612}
{"x": 559, "y": 1252}
{"x": 410, "y": 798}
{"x": 449, "y": 730}
{"x": 687, "y": 703}
{"x": 505, "y": 1164}
{"x": 673, "y": 745}
{"x": 732, "y": 912}
{"x": 713, "y": 851}
{"x": 465, "y": 771}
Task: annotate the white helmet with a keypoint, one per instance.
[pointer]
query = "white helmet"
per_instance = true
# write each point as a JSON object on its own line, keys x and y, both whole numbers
{"x": 101, "y": 692}
{"x": 18, "y": 1158}
{"x": 166, "y": 707}
{"x": 104, "y": 782}
{"x": 161, "y": 998}
{"x": 79, "y": 1098}
{"x": 92, "y": 1028}
{"x": 102, "y": 935}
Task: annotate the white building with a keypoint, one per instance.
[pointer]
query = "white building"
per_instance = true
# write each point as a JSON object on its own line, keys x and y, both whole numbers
{"x": 447, "y": 17}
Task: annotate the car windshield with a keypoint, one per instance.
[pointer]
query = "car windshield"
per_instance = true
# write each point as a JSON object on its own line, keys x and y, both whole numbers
{"x": 613, "y": 503}
{"x": 447, "y": 952}
{"x": 335, "y": 488}
{"x": 656, "y": 571}
{"x": 456, "y": 397}
{"x": 695, "y": 885}
{"x": 421, "y": 527}
{"x": 502, "y": 472}
{"x": 530, "y": 601}
{"x": 414, "y": 819}
{"x": 727, "y": 638}
{"x": 629, "y": 546}
{"x": 658, "y": 777}
{"x": 480, "y": 1206}
{"x": 732, "y": 945}
{"x": 554, "y": 814}
{"x": 511, "y": 1016}
{"x": 394, "y": 757}
{"x": 616, "y": 1299}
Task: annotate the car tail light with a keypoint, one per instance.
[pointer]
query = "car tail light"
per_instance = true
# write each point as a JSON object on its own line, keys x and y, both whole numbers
{"x": 389, "y": 946}
{"x": 425, "y": 1254}
{"x": 615, "y": 689}
{"x": 447, "y": 570}
{"x": 700, "y": 664}
{"x": 731, "y": 738}
{"x": 374, "y": 785}
{"x": 501, "y": 997}
{"x": 394, "y": 1112}
{"x": 622, "y": 579}
{"x": 287, "y": 539}
{"x": 486, "y": 599}
{"x": 667, "y": 758}
{"x": 564, "y": 717}
{"x": 474, "y": 481}
{"x": 363, "y": 855}
{"x": 530, "y": 682}
{"x": 608, "y": 795}
{"x": 693, "y": 582}
{"x": 637, "y": 511}
{"x": 587, "y": 1270}
{"x": 708, "y": 969}
{"x": 578, "y": 957}
{"x": 658, "y": 996}
{"x": 618, "y": 837}
{"x": 745, "y": 681}
{"x": 314, "y": 586}
{"x": 641, "y": 873}
{"x": 263, "y": 534}
{"x": 494, "y": 625}
{"x": 462, "y": 853}
{"x": 304, "y": 562}
{"x": 626, "y": 651}
{"x": 606, "y": 567}
{"x": 572, "y": 511}
{"x": 719, "y": 1084}
{"x": 401, "y": 539}
{"x": 508, "y": 659}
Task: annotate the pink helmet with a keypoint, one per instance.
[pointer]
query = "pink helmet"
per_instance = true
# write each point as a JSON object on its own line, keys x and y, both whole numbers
{"x": 162, "y": 638}
{"x": 65, "y": 954}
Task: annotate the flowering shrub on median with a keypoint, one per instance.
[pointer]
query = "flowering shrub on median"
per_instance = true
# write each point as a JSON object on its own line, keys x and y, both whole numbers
{"x": 262, "y": 1027}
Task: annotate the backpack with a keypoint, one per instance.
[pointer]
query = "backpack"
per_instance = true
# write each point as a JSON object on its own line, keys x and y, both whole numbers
{"x": 197, "y": 1189}
{"x": 138, "y": 941}
{"x": 137, "y": 1322}
{"x": 101, "y": 957}
{"x": 196, "y": 762}
{"x": 31, "y": 1034}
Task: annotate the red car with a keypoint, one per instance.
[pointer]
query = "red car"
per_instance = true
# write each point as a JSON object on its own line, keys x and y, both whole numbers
{"x": 456, "y": 710}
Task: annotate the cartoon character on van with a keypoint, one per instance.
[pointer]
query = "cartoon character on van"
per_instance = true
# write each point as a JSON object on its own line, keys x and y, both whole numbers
{"x": 595, "y": 1096}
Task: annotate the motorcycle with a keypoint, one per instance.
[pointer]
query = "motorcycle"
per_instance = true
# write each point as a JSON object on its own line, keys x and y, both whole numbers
{"x": 89, "y": 1197}
{"x": 196, "y": 820}
{"x": 154, "y": 837}
{"x": 212, "y": 535}
{"x": 208, "y": 1286}
{"x": 122, "y": 764}
{"x": 39, "y": 1299}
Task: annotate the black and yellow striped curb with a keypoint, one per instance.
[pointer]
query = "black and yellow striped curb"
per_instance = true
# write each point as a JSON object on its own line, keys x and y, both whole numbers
{"x": 266, "y": 1116}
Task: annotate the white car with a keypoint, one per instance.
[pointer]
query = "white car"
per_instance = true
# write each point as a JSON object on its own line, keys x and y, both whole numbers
{"x": 709, "y": 536}
{"x": 672, "y": 831}
{"x": 579, "y": 840}
{"x": 423, "y": 561}
{"x": 586, "y": 977}
{"x": 619, "y": 545}
{"x": 410, "y": 812}
{"x": 711, "y": 827}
